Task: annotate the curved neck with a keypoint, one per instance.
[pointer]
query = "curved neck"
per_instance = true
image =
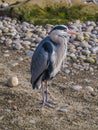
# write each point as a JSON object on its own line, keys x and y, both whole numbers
{"x": 58, "y": 39}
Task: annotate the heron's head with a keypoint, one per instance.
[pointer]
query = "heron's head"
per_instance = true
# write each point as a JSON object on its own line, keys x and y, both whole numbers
{"x": 62, "y": 30}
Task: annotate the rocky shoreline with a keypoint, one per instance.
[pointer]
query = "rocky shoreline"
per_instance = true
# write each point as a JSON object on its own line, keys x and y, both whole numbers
{"x": 24, "y": 37}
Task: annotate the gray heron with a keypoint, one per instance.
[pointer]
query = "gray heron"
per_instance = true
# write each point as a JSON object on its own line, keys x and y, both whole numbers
{"x": 47, "y": 59}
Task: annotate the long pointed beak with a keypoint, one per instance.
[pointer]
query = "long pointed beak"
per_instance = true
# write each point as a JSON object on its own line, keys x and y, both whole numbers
{"x": 71, "y": 32}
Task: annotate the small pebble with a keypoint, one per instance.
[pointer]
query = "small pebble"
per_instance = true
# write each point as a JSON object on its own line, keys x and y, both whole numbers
{"x": 6, "y": 55}
{"x": 67, "y": 71}
{"x": 1, "y": 118}
{"x": 15, "y": 64}
{"x": 63, "y": 110}
{"x": 32, "y": 121}
{"x": 29, "y": 53}
{"x": 21, "y": 59}
{"x": 89, "y": 88}
{"x": 76, "y": 87}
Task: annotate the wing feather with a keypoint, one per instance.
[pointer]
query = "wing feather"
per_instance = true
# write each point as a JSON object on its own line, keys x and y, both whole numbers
{"x": 40, "y": 59}
{"x": 39, "y": 63}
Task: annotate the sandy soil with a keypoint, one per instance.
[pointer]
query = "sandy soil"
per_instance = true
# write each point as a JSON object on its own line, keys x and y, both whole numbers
{"x": 20, "y": 107}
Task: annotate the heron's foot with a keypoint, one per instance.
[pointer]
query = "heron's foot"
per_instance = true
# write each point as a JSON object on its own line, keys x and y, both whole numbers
{"x": 51, "y": 102}
{"x": 48, "y": 104}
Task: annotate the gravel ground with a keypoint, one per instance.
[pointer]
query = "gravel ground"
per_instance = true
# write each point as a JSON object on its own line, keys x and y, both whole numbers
{"x": 76, "y": 94}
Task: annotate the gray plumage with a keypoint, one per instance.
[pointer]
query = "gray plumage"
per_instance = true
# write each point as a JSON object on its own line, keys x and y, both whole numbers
{"x": 40, "y": 62}
{"x": 48, "y": 56}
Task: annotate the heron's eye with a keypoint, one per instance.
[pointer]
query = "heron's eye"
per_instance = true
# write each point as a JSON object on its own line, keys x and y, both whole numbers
{"x": 65, "y": 29}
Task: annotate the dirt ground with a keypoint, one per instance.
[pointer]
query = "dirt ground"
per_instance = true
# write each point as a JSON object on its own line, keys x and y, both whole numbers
{"x": 20, "y": 107}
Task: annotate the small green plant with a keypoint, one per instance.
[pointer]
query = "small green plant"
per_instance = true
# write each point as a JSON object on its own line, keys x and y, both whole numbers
{"x": 86, "y": 38}
{"x": 58, "y": 14}
{"x": 90, "y": 60}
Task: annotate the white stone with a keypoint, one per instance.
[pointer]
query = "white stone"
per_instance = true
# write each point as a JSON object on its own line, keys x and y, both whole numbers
{"x": 85, "y": 44}
{"x": 76, "y": 87}
{"x": 26, "y": 43}
{"x": 89, "y": 88}
{"x": 94, "y": 49}
{"x": 8, "y": 42}
{"x": 13, "y": 81}
{"x": 6, "y": 55}
{"x": 15, "y": 64}
{"x": 67, "y": 71}
{"x": 90, "y": 28}
{"x": 38, "y": 39}
{"x": 18, "y": 46}
{"x": 5, "y": 30}
{"x": 4, "y": 5}
{"x": 25, "y": 24}
{"x": 63, "y": 110}
{"x": 32, "y": 121}
{"x": 80, "y": 37}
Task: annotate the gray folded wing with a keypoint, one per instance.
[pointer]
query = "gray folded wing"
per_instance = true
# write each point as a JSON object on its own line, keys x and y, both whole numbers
{"x": 39, "y": 63}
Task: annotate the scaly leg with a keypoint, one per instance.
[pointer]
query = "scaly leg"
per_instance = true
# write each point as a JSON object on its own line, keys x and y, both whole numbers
{"x": 48, "y": 101}
{"x": 45, "y": 100}
{"x": 43, "y": 95}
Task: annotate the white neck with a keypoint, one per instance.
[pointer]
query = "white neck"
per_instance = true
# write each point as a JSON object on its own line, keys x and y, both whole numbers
{"x": 58, "y": 38}
{"x": 54, "y": 36}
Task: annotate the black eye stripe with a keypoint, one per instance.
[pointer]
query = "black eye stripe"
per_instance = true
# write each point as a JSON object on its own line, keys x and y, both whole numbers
{"x": 60, "y": 27}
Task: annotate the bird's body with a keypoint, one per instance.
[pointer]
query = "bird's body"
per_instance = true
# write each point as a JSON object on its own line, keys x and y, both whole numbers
{"x": 39, "y": 69}
{"x": 48, "y": 57}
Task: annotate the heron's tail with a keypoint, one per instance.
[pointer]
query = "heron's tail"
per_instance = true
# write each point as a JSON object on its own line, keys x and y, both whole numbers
{"x": 36, "y": 84}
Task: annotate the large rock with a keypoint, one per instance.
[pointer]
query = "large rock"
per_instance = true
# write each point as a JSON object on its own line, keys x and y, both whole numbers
{"x": 13, "y": 81}
{"x": 4, "y": 5}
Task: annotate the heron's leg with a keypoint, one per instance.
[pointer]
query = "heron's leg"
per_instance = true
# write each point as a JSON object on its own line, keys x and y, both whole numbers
{"x": 43, "y": 95}
{"x": 46, "y": 91}
{"x": 46, "y": 100}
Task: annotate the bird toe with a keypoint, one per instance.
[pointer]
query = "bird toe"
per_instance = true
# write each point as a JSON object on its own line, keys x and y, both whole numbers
{"x": 51, "y": 102}
{"x": 49, "y": 105}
